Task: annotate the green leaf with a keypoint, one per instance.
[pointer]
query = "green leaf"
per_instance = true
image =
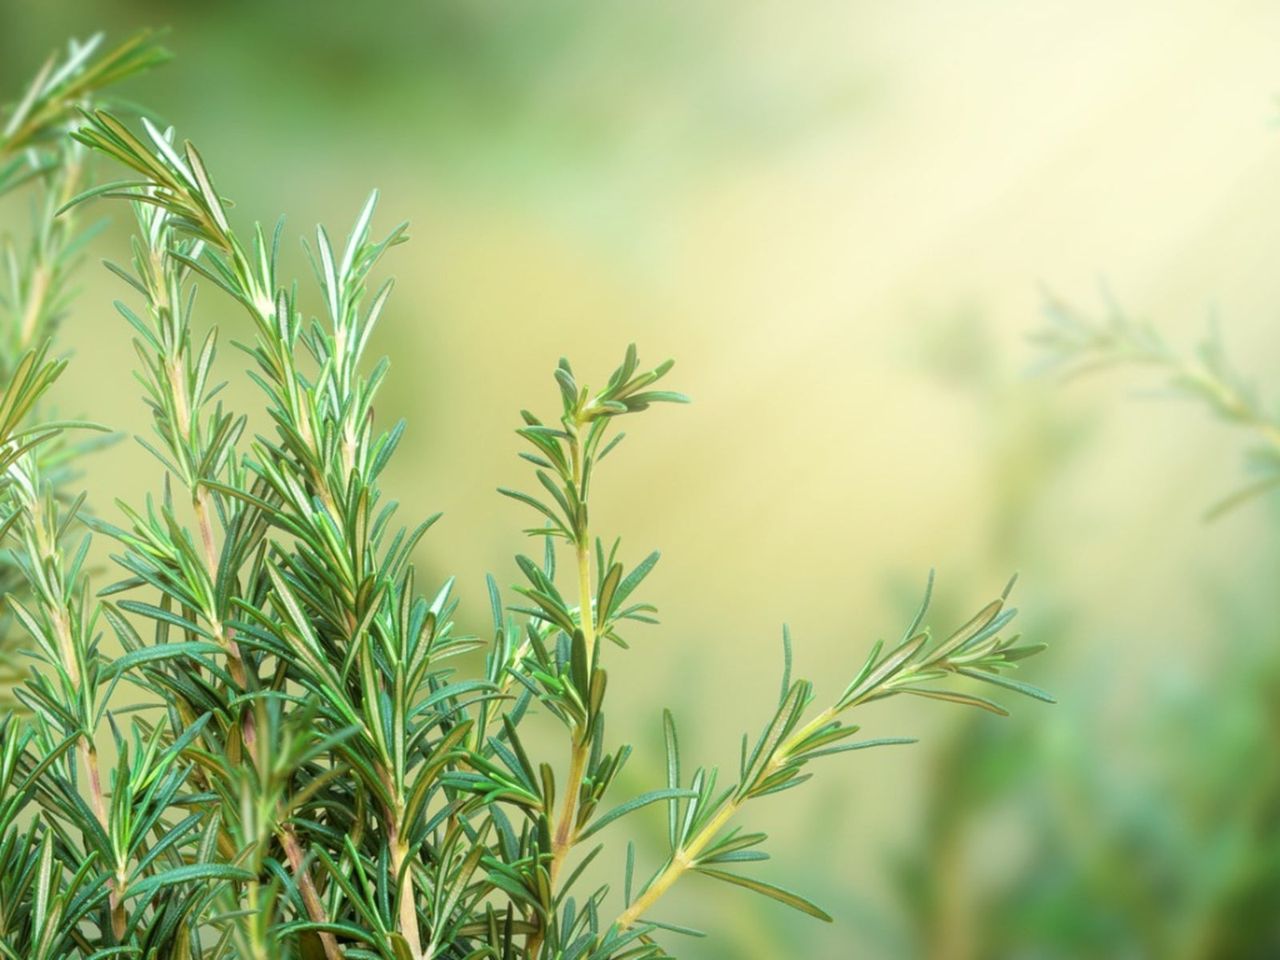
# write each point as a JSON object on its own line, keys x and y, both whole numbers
{"x": 168, "y": 651}
{"x": 188, "y": 874}
{"x": 673, "y": 774}
{"x": 793, "y": 900}
{"x": 1019, "y": 686}
{"x": 635, "y": 803}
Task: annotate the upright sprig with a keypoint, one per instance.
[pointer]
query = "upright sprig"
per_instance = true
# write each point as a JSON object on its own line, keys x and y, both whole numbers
{"x": 1075, "y": 344}
{"x": 330, "y": 599}
{"x": 90, "y": 848}
{"x": 568, "y": 677}
{"x": 199, "y": 551}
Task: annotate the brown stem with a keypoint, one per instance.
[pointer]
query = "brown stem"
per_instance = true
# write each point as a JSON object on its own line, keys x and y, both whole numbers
{"x": 563, "y": 840}
{"x": 97, "y": 798}
{"x": 310, "y": 896}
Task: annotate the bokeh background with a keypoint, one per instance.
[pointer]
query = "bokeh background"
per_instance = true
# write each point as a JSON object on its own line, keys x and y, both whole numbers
{"x": 840, "y": 218}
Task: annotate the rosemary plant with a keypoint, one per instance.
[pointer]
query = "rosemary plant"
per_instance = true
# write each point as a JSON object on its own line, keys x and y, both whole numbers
{"x": 1177, "y": 858}
{"x": 1075, "y": 344}
{"x": 303, "y": 770}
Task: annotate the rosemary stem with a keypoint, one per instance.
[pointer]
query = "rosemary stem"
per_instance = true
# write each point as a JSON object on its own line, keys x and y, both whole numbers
{"x": 405, "y": 899}
{"x": 681, "y": 861}
{"x": 563, "y": 839}
{"x": 310, "y": 897}
{"x": 686, "y": 857}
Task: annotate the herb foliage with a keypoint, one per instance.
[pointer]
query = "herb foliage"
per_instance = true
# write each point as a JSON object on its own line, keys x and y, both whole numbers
{"x": 302, "y": 769}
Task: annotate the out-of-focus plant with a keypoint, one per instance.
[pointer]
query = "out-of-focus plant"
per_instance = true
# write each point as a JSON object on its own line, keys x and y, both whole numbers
{"x": 40, "y": 162}
{"x": 302, "y": 771}
{"x": 982, "y": 778}
{"x": 1076, "y": 343}
{"x": 1178, "y": 856}
{"x": 1196, "y": 879}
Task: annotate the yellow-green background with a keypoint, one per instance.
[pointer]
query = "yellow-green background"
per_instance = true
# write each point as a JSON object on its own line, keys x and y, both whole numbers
{"x": 838, "y": 217}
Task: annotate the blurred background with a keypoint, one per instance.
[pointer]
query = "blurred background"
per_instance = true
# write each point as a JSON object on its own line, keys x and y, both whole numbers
{"x": 841, "y": 219}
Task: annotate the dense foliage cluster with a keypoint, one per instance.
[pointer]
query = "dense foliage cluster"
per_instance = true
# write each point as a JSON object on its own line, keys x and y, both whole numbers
{"x": 301, "y": 769}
